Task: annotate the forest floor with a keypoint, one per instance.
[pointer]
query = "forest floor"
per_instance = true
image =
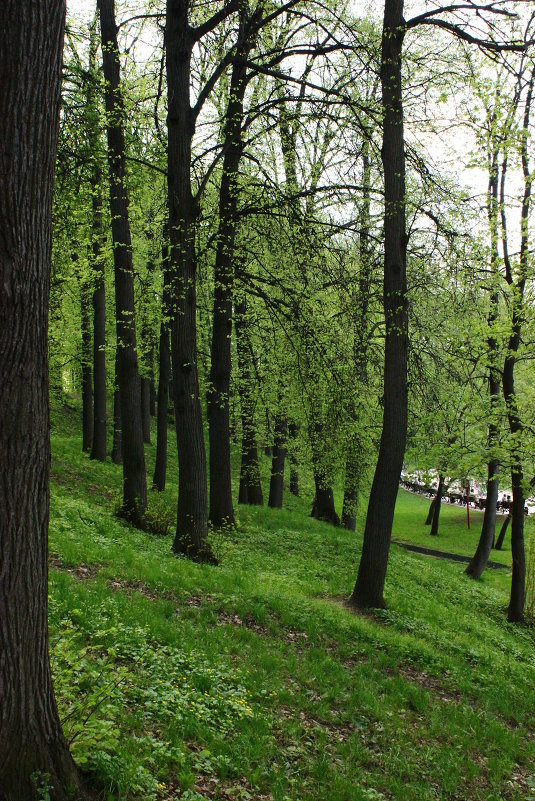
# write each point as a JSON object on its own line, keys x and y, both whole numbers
{"x": 252, "y": 680}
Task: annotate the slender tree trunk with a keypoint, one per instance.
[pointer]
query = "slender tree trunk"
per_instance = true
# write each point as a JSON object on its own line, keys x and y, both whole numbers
{"x": 87, "y": 380}
{"x": 276, "y": 485}
{"x": 192, "y": 517}
{"x": 503, "y": 531}
{"x": 145, "y": 408}
{"x": 160, "y": 468}
{"x": 99, "y": 327}
{"x": 438, "y": 504}
{"x": 31, "y": 738}
{"x": 117, "y": 447}
{"x": 355, "y": 461}
{"x": 517, "y": 600}
{"x": 250, "y": 485}
{"x": 368, "y": 591}
{"x": 481, "y": 557}
{"x": 293, "y": 431}
{"x": 134, "y": 475}
{"x": 221, "y": 509}
{"x": 431, "y": 512}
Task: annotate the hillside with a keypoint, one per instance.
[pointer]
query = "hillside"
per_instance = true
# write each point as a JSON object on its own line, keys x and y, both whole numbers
{"x": 252, "y": 680}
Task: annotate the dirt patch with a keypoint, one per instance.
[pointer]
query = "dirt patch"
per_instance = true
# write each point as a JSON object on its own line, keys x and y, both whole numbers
{"x": 429, "y": 683}
{"x": 248, "y": 622}
{"x": 134, "y": 585}
{"x": 82, "y": 572}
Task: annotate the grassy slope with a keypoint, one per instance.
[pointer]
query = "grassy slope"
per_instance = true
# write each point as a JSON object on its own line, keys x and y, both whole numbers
{"x": 251, "y": 680}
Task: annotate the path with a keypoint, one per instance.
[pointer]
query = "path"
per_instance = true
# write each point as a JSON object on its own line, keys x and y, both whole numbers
{"x": 455, "y": 557}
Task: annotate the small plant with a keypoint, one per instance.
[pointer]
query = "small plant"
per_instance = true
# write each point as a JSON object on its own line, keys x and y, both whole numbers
{"x": 41, "y": 784}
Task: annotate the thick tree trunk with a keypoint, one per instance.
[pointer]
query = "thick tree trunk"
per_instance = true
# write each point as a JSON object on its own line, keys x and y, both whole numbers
{"x": 323, "y": 506}
{"x": 438, "y": 504}
{"x": 99, "y": 327}
{"x": 30, "y": 65}
{"x": 87, "y": 379}
{"x": 250, "y": 485}
{"x": 117, "y": 447}
{"x": 192, "y": 517}
{"x": 276, "y": 485}
{"x": 368, "y": 591}
{"x": 134, "y": 475}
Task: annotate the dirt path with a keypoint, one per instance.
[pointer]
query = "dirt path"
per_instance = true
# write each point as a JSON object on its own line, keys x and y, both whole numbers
{"x": 454, "y": 557}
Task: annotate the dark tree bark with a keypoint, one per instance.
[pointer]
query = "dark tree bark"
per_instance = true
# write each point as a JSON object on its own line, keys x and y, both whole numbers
{"x": 503, "y": 531}
{"x": 355, "y": 461}
{"x": 87, "y": 379}
{"x": 160, "y": 468}
{"x": 293, "y": 431}
{"x": 368, "y": 591}
{"x": 134, "y": 475}
{"x": 145, "y": 408}
{"x": 323, "y": 506}
{"x": 98, "y": 237}
{"x": 430, "y": 513}
{"x": 515, "y": 612}
{"x": 30, "y": 65}
{"x": 98, "y": 450}
{"x": 438, "y": 504}
{"x": 250, "y": 485}
{"x": 221, "y": 509}
{"x": 192, "y": 517}
{"x": 117, "y": 447}
{"x": 481, "y": 557}
{"x": 276, "y": 485}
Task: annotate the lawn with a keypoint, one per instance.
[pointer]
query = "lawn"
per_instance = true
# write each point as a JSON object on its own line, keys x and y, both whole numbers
{"x": 252, "y": 680}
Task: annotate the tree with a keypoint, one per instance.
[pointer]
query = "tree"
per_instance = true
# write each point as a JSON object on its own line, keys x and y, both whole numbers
{"x": 134, "y": 475}
{"x": 368, "y": 591}
{"x": 31, "y": 738}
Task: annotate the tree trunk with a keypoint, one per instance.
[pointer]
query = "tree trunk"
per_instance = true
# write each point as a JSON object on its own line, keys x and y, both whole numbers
{"x": 87, "y": 379}
{"x": 503, "y": 531}
{"x": 145, "y": 408}
{"x": 294, "y": 464}
{"x": 221, "y": 509}
{"x": 431, "y": 512}
{"x": 276, "y": 485}
{"x": 117, "y": 448}
{"x": 192, "y": 516}
{"x": 480, "y": 559}
{"x": 438, "y": 504}
{"x": 99, "y": 327}
{"x": 134, "y": 475}
{"x": 31, "y": 738}
{"x": 160, "y": 468}
{"x": 323, "y": 506}
{"x": 368, "y": 591}
{"x": 250, "y": 485}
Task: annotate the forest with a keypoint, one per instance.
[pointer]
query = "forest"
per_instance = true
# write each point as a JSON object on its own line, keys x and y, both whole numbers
{"x": 267, "y": 438}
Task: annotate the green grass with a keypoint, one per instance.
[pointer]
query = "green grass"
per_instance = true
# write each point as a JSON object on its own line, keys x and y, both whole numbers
{"x": 251, "y": 680}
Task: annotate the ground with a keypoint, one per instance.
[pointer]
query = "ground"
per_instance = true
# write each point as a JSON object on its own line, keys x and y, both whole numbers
{"x": 253, "y": 680}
